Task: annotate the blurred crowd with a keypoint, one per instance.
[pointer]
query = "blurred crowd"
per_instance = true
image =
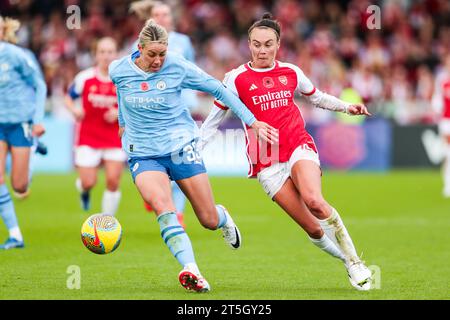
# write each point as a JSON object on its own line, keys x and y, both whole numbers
{"x": 392, "y": 68}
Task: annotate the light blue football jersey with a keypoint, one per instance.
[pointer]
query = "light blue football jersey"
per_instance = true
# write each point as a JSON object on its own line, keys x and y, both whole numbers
{"x": 157, "y": 121}
{"x": 22, "y": 88}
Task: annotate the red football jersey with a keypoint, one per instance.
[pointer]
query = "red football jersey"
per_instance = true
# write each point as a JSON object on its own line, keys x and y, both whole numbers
{"x": 446, "y": 99}
{"x": 269, "y": 95}
{"x": 98, "y": 95}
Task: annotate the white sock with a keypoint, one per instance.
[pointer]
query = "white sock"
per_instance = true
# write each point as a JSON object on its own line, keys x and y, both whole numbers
{"x": 79, "y": 185}
{"x": 193, "y": 268}
{"x": 328, "y": 246}
{"x": 335, "y": 230}
{"x": 15, "y": 233}
{"x": 447, "y": 172}
{"x": 110, "y": 202}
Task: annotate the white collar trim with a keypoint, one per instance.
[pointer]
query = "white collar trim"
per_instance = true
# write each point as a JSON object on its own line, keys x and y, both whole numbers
{"x": 137, "y": 69}
{"x": 263, "y": 69}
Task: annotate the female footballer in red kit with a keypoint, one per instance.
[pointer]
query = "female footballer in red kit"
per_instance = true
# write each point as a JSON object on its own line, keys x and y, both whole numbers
{"x": 291, "y": 173}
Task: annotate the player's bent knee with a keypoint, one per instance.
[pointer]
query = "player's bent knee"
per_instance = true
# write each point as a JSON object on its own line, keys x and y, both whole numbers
{"x": 159, "y": 205}
{"x": 112, "y": 186}
{"x": 20, "y": 187}
{"x": 88, "y": 184}
{"x": 317, "y": 205}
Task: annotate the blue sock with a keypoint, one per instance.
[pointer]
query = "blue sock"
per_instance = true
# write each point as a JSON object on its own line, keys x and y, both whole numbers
{"x": 178, "y": 197}
{"x": 7, "y": 211}
{"x": 175, "y": 238}
{"x": 222, "y": 216}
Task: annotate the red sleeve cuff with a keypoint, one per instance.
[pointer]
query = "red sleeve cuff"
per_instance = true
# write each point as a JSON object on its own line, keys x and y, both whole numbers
{"x": 310, "y": 93}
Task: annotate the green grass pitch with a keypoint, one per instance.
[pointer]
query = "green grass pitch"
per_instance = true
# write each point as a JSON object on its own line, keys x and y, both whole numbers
{"x": 398, "y": 219}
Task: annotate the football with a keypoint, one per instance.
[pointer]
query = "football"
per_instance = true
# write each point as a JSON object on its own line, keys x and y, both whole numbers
{"x": 101, "y": 233}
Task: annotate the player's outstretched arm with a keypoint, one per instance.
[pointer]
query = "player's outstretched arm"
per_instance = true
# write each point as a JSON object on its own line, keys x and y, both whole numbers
{"x": 197, "y": 79}
{"x": 323, "y": 100}
{"x": 358, "y": 109}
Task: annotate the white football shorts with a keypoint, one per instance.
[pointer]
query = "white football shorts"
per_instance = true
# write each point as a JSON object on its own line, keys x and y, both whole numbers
{"x": 86, "y": 156}
{"x": 273, "y": 178}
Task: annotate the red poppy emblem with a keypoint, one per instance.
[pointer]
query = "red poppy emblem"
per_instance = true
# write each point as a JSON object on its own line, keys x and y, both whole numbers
{"x": 144, "y": 86}
{"x": 268, "y": 82}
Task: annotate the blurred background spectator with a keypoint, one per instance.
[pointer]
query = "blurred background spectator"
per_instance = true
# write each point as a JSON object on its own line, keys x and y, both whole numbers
{"x": 392, "y": 69}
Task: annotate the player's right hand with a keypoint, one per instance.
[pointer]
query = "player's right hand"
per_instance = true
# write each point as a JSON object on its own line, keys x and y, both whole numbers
{"x": 121, "y": 131}
{"x": 265, "y": 132}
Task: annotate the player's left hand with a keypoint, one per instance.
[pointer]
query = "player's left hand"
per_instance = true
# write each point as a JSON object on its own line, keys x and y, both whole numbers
{"x": 38, "y": 130}
{"x": 358, "y": 109}
{"x": 111, "y": 115}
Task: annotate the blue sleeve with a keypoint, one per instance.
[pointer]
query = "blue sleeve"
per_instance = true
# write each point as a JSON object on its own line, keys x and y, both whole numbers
{"x": 72, "y": 92}
{"x": 112, "y": 71}
{"x": 112, "y": 75}
{"x": 190, "y": 51}
{"x": 197, "y": 79}
{"x": 119, "y": 109}
{"x": 34, "y": 77}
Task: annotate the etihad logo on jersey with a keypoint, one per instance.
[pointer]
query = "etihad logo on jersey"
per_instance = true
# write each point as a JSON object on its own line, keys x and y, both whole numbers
{"x": 147, "y": 103}
{"x": 101, "y": 100}
{"x": 132, "y": 99}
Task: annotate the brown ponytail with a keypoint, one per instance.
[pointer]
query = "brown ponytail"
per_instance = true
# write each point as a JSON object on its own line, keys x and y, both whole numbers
{"x": 267, "y": 22}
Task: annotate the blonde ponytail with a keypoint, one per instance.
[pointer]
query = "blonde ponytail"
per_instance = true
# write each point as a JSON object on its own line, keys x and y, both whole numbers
{"x": 153, "y": 32}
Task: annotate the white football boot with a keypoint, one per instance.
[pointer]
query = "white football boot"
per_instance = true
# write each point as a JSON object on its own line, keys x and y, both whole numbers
{"x": 231, "y": 232}
{"x": 193, "y": 281}
{"x": 359, "y": 275}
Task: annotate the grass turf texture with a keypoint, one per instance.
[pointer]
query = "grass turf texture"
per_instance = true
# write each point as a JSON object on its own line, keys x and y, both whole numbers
{"x": 398, "y": 219}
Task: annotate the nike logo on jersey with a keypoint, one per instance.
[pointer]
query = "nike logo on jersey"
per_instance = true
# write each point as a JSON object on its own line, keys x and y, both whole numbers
{"x": 253, "y": 87}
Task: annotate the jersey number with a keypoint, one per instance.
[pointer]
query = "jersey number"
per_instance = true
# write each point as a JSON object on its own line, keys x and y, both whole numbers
{"x": 192, "y": 155}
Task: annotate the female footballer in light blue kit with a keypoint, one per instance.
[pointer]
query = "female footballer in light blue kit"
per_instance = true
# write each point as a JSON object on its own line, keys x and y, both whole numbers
{"x": 159, "y": 136}
{"x": 20, "y": 121}
{"x": 177, "y": 42}
{"x": 38, "y": 147}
